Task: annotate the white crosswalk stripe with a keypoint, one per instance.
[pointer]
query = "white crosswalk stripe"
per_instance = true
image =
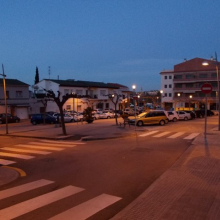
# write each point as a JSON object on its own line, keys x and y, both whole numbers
{"x": 24, "y": 188}
{"x": 38, "y": 202}
{"x": 147, "y": 134}
{"x": 43, "y": 147}
{"x": 162, "y": 134}
{"x": 6, "y": 162}
{"x": 52, "y": 144}
{"x": 62, "y": 142}
{"x": 21, "y": 156}
{"x": 79, "y": 212}
{"x": 191, "y": 136}
{"x": 25, "y": 150}
{"x": 87, "y": 209}
{"x": 39, "y": 147}
{"x": 176, "y": 135}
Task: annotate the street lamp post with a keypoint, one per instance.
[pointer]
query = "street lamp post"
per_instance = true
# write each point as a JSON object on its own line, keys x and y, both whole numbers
{"x": 218, "y": 87}
{"x": 134, "y": 87}
{"x": 190, "y": 97}
{"x": 161, "y": 92}
{"x": 4, "y": 85}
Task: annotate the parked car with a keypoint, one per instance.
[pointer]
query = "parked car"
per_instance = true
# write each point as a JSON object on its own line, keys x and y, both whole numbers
{"x": 209, "y": 112}
{"x": 106, "y": 114}
{"x": 96, "y": 115}
{"x": 10, "y": 118}
{"x": 199, "y": 113}
{"x": 78, "y": 116}
{"x": 39, "y": 118}
{"x": 184, "y": 115}
{"x": 67, "y": 117}
{"x": 192, "y": 113}
{"x": 153, "y": 117}
{"x": 129, "y": 111}
{"x": 173, "y": 116}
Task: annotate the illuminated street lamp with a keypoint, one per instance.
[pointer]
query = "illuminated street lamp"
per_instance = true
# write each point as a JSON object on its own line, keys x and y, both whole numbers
{"x": 205, "y": 63}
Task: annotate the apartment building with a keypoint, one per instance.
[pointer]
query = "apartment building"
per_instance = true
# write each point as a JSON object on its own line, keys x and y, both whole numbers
{"x": 97, "y": 91}
{"x": 181, "y": 87}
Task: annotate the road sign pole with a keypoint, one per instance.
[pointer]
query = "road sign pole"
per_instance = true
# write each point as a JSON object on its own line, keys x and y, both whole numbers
{"x": 205, "y": 115}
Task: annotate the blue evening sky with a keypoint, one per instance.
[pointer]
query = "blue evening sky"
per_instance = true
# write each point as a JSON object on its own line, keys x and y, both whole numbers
{"x": 118, "y": 41}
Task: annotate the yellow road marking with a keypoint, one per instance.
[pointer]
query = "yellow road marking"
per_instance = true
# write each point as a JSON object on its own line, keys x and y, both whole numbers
{"x": 20, "y": 171}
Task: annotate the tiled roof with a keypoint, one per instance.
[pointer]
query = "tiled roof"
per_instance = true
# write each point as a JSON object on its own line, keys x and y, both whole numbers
{"x": 117, "y": 85}
{"x": 80, "y": 83}
{"x": 13, "y": 82}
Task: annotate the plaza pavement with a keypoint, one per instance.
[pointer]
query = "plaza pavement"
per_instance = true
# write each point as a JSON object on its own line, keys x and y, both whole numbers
{"x": 189, "y": 189}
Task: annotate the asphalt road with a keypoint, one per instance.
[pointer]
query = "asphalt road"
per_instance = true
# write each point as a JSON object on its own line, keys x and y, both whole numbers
{"x": 122, "y": 168}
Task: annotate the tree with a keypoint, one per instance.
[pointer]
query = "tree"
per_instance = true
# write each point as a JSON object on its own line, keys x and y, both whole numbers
{"x": 115, "y": 99}
{"x": 36, "y": 76}
{"x": 60, "y": 103}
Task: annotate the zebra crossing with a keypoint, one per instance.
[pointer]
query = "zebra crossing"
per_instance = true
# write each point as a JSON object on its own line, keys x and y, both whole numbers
{"x": 157, "y": 134}
{"x": 79, "y": 212}
{"x": 43, "y": 147}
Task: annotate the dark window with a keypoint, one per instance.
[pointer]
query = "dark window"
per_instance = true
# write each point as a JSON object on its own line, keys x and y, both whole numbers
{"x": 189, "y": 85}
{"x": 165, "y": 86}
{"x": 170, "y": 77}
{"x": 170, "y": 94}
{"x": 214, "y": 75}
{"x": 165, "y": 77}
{"x": 150, "y": 114}
{"x": 189, "y": 76}
{"x": 7, "y": 94}
{"x": 203, "y": 75}
{"x": 178, "y": 85}
{"x": 165, "y": 94}
{"x": 170, "y": 85}
{"x": 178, "y": 77}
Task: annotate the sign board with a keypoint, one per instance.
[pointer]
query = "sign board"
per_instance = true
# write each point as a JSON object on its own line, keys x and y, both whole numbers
{"x": 206, "y": 88}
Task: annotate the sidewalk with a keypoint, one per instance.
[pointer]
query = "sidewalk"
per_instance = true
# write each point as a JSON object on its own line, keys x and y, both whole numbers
{"x": 190, "y": 189}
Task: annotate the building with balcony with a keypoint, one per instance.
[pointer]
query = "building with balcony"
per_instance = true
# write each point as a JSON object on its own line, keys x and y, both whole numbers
{"x": 182, "y": 85}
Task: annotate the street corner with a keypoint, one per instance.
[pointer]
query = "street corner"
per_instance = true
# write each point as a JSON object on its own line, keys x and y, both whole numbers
{"x": 9, "y": 174}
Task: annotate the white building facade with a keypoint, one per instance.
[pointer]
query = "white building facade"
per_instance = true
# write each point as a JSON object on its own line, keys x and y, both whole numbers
{"x": 97, "y": 93}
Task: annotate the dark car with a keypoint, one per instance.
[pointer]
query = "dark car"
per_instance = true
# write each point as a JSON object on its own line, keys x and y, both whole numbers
{"x": 39, "y": 118}
{"x": 199, "y": 113}
{"x": 192, "y": 113}
{"x": 10, "y": 118}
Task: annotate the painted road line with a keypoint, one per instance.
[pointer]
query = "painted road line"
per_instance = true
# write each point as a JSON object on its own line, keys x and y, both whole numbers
{"x": 24, "y": 188}
{"x": 21, "y": 156}
{"x": 191, "y": 136}
{"x": 26, "y": 151}
{"x": 52, "y": 145}
{"x": 177, "y": 135}
{"x": 6, "y": 162}
{"x": 149, "y": 133}
{"x": 87, "y": 209}
{"x": 39, "y": 147}
{"x": 38, "y": 202}
{"x": 20, "y": 171}
{"x": 162, "y": 134}
{"x": 63, "y": 142}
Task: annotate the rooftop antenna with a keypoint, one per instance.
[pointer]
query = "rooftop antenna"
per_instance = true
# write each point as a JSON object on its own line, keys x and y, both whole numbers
{"x": 49, "y": 71}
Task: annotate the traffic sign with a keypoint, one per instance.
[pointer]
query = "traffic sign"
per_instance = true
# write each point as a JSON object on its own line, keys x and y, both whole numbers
{"x": 206, "y": 88}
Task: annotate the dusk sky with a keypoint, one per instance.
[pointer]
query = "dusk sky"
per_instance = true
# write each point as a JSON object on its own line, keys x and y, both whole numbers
{"x": 118, "y": 41}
